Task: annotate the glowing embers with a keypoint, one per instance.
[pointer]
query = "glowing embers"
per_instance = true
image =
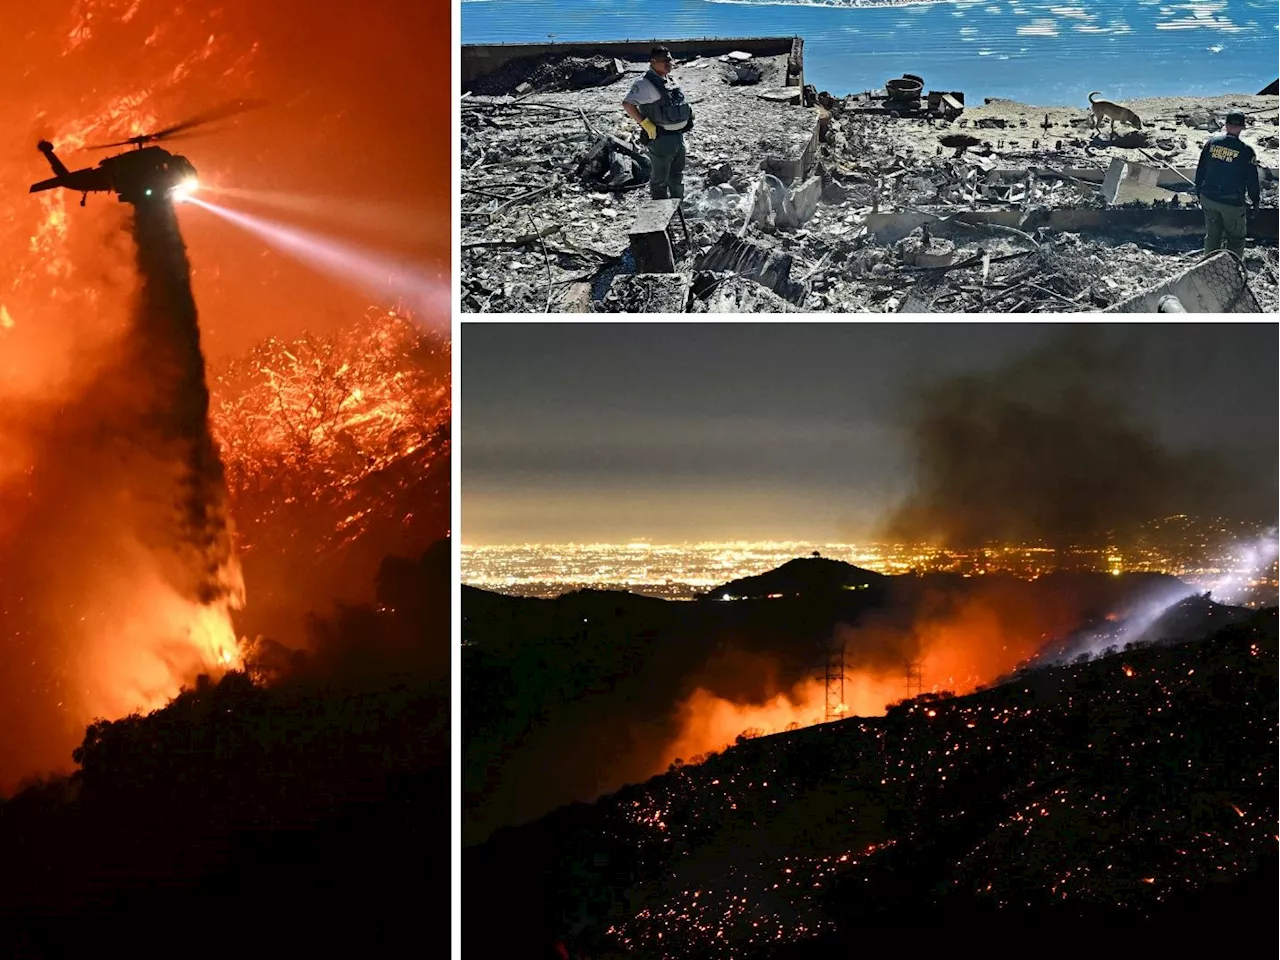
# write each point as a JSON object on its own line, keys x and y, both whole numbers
{"x": 377, "y": 275}
{"x": 343, "y": 427}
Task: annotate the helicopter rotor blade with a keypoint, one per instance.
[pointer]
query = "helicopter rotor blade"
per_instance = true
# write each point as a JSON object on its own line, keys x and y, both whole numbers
{"x": 107, "y": 146}
{"x": 231, "y": 109}
{"x": 224, "y": 112}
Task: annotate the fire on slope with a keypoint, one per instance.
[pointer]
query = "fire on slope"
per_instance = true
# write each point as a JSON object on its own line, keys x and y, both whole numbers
{"x": 337, "y": 450}
{"x": 342, "y": 425}
{"x": 958, "y": 647}
{"x": 90, "y": 623}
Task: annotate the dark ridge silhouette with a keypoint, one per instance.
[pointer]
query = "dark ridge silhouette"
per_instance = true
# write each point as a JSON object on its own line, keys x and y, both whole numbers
{"x": 804, "y": 576}
{"x": 570, "y": 698}
{"x": 308, "y": 813}
{"x": 1133, "y": 795}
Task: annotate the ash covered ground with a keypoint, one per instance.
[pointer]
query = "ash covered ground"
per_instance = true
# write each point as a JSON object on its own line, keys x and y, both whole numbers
{"x": 786, "y": 203}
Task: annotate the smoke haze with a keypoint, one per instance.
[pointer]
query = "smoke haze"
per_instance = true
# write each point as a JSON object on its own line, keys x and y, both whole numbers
{"x": 1045, "y": 449}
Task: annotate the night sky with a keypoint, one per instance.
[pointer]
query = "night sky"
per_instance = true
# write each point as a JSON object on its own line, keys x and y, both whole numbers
{"x": 682, "y": 432}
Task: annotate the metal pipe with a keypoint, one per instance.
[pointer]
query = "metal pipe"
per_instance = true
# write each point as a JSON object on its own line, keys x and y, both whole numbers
{"x": 1170, "y": 304}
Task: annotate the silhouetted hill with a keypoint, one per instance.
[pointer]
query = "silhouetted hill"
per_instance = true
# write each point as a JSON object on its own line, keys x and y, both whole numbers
{"x": 1133, "y": 794}
{"x": 570, "y": 698}
{"x": 251, "y": 817}
{"x": 804, "y": 576}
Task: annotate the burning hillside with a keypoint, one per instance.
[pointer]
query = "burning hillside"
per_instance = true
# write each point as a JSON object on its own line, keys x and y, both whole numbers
{"x": 337, "y": 455}
{"x": 117, "y": 571}
{"x": 341, "y": 424}
{"x": 614, "y": 688}
{"x": 1130, "y": 790}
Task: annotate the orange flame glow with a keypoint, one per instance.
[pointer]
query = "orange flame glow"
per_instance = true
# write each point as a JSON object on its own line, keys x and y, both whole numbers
{"x": 958, "y": 650}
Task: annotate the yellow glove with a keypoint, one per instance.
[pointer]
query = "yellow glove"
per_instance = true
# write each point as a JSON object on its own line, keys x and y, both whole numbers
{"x": 649, "y": 127}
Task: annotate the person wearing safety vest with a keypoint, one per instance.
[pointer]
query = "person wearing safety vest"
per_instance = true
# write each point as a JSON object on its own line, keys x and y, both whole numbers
{"x": 658, "y": 105}
{"x": 1228, "y": 170}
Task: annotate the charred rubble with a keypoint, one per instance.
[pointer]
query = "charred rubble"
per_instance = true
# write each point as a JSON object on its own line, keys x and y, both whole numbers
{"x": 903, "y": 198}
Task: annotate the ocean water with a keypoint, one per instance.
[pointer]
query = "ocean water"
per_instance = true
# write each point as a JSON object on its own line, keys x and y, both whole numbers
{"x": 1035, "y": 52}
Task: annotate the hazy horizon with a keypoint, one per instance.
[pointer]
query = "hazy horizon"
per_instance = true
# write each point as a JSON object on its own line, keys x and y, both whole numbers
{"x": 815, "y": 432}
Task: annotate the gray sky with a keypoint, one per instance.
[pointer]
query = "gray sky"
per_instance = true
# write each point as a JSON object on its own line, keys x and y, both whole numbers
{"x": 688, "y": 431}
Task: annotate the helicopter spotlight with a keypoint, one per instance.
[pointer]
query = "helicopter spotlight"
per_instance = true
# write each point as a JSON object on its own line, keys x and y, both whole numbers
{"x": 144, "y": 175}
{"x": 183, "y": 191}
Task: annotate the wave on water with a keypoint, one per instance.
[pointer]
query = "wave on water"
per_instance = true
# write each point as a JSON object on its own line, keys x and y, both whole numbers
{"x": 836, "y": 4}
{"x": 1049, "y": 18}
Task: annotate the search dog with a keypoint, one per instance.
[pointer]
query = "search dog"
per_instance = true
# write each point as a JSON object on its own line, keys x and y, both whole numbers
{"x": 1105, "y": 109}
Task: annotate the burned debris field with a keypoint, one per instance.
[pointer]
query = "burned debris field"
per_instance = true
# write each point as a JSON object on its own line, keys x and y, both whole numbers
{"x": 903, "y": 198}
{"x": 1133, "y": 792}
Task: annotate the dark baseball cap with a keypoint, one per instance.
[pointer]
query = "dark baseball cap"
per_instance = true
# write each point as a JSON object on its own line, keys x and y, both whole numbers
{"x": 1235, "y": 120}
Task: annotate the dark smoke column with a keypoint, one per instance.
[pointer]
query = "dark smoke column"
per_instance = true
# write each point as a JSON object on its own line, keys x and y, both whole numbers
{"x": 166, "y": 339}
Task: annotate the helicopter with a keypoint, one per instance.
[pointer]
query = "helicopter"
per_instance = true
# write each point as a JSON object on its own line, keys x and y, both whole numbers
{"x": 144, "y": 175}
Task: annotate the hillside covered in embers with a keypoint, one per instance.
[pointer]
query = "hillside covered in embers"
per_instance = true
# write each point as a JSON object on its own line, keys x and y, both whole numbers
{"x": 1134, "y": 793}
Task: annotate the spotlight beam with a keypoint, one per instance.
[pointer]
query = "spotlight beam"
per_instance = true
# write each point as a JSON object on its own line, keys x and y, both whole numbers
{"x": 377, "y": 216}
{"x": 377, "y": 275}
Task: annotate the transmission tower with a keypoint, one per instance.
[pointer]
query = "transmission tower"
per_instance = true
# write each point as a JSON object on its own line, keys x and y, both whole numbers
{"x": 833, "y": 675}
{"x": 915, "y": 679}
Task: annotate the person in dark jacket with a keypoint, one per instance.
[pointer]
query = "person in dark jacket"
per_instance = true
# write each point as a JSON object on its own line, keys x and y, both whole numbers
{"x": 656, "y": 102}
{"x": 1226, "y": 175}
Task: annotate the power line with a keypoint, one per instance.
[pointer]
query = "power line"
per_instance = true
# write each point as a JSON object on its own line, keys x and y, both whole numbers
{"x": 915, "y": 679}
{"x": 833, "y": 676}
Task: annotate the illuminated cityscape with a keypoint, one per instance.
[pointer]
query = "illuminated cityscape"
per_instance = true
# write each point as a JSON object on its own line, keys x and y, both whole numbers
{"x": 1218, "y": 555}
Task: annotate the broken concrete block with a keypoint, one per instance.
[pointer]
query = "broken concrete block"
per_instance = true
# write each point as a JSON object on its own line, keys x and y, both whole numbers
{"x": 915, "y": 303}
{"x": 739, "y": 55}
{"x": 800, "y": 204}
{"x": 524, "y": 88}
{"x": 788, "y": 95}
{"x": 1111, "y": 181}
{"x": 575, "y": 299}
{"x": 646, "y": 293}
{"x": 1217, "y": 284}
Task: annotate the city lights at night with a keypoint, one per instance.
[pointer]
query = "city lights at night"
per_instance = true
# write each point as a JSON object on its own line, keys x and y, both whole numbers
{"x": 798, "y": 640}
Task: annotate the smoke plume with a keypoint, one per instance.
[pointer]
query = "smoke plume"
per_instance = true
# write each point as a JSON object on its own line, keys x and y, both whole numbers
{"x": 118, "y": 573}
{"x": 1043, "y": 449}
